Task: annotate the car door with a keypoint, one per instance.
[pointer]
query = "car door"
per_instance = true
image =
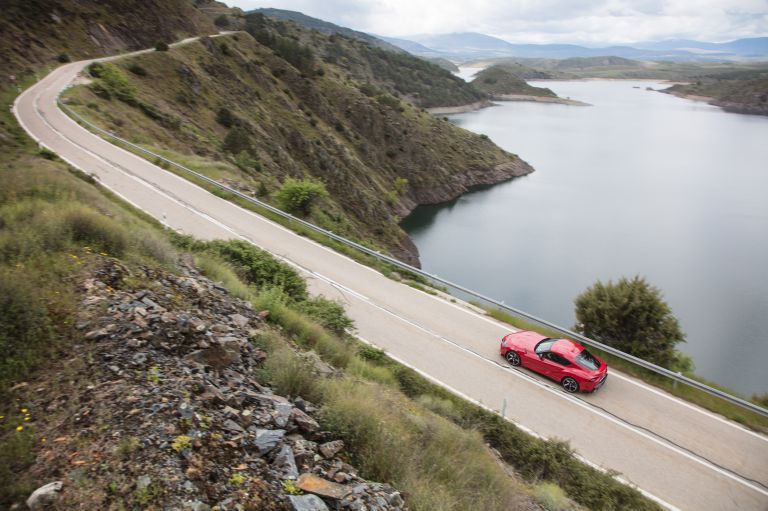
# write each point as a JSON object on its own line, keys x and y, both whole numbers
{"x": 554, "y": 365}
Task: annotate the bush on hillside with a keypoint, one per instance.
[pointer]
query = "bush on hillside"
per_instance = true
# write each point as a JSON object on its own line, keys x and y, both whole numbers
{"x": 329, "y": 313}
{"x": 221, "y": 21}
{"x": 297, "y": 195}
{"x": 226, "y": 118}
{"x": 88, "y": 227}
{"x": 632, "y": 316}
{"x": 260, "y": 268}
{"x": 237, "y": 141}
{"x": 162, "y": 46}
{"x": 111, "y": 81}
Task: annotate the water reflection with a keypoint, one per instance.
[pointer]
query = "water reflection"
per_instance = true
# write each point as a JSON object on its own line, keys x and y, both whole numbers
{"x": 639, "y": 183}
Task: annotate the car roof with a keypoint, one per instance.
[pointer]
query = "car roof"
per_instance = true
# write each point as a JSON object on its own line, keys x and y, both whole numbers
{"x": 567, "y": 348}
{"x": 526, "y": 338}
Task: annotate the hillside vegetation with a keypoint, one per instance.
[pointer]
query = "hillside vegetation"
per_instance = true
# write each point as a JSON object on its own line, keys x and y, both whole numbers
{"x": 46, "y": 32}
{"x": 255, "y": 111}
{"x": 325, "y": 27}
{"x": 743, "y": 94}
{"x": 498, "y": 81}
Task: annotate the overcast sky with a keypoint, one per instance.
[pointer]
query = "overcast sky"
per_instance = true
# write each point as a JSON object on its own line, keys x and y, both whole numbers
{"x": 543, "y": 21}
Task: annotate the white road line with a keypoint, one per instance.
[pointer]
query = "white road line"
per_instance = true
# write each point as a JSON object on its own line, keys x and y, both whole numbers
{"x": 689, "y": 405}
{"x": 523, "y": 428}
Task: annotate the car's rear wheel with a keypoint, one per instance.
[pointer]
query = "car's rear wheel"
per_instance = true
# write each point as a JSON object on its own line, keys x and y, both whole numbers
{"x": 570, "y": 385}
{"x": 513, "y": 358}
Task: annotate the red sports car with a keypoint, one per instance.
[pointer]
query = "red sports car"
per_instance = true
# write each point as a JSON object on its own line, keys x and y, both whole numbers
{"x": 563, "y": 360}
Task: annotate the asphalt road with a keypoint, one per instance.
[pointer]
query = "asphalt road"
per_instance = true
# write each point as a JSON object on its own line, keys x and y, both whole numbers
{"x": 683, "y": 456}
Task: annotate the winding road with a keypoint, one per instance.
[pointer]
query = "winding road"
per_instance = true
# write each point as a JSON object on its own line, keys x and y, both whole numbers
{"x": 679, "y": 454}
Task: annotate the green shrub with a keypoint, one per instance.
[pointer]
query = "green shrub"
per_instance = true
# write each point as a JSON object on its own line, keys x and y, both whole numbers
{"x": 64, "y": 58}
{"x": 260, "y": 268}
{"x": 632, "y": 316}
{"x": 46, "y": 153}
{"x": 372, "y": 354}
{"x": 221, "y": 21}
{"x": 329, "y": 313}
{"x": 290, "y": 375}
{"x": 162, "y": 46}
{"x": 137, "y": 70}
{"x": 111, "y": 81}
{"x": 91, "y": 228}
{"x": 213, "y": 267}
{"x": 246, "y": 162}
{"x": 226, "y": 118}
{"x": 297, "y": 196}
{"x": 237, "y": 141}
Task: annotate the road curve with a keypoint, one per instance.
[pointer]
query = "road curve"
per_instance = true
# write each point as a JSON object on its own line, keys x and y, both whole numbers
{"x": 680, "y": 454}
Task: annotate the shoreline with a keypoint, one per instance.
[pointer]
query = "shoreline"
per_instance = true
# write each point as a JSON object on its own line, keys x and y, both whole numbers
{"x": 539, "y": 99}
{"x": 460, "y": 109}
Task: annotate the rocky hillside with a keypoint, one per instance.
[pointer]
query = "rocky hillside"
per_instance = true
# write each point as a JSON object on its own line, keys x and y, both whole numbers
{"x": 325, "y": 27}
{"x": 498, "y": 81}
{"x": 417, "y": 81}
{"x": 46, "y": 32}
{"x": 253, "y": 112}
{"x": 172, "y": 415}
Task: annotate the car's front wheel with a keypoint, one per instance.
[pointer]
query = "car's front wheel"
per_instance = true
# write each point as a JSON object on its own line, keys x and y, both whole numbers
{"x": 513, "y": 358}
{"x": 570, "y": 385}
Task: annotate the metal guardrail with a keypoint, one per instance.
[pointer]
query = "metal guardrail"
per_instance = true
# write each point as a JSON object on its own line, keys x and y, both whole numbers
{"x": 677, "y": 377}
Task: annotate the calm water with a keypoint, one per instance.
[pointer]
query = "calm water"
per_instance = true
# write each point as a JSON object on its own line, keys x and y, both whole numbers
{"x": 640, "y": 183}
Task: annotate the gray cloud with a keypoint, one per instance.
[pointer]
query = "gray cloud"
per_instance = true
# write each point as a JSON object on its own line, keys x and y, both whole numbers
{"x": 540, "y": 21}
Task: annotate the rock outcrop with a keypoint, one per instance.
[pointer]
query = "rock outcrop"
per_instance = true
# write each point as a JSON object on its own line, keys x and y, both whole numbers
{"x": 171, "y": 414}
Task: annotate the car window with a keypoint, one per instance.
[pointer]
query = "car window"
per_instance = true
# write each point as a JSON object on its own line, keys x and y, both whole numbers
{"x": 544, "y": 346}
{"x": 554, "y": 357}
{"x": 587, "y": 361}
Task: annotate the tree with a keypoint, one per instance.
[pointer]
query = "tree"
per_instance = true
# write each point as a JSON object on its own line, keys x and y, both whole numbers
{"x": 632, "y": 316}
{"x": 237, "y": 141}
{"x": 297, "y": 196}
{"x": 162, "y": 46}
{"x": 221, "y": 21}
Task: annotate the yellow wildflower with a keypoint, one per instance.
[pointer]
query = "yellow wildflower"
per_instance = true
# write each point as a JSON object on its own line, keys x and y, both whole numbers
{"x": 20, "y": 428}
{"x": 24, "y": 410}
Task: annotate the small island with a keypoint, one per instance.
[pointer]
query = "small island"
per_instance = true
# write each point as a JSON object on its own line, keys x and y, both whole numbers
{"x": 502, "y": 84}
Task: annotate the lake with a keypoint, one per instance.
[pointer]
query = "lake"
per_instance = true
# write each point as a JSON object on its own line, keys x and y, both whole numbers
{"x": 640, "y": 183}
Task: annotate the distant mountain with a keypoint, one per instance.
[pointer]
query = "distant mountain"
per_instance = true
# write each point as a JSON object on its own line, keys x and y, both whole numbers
{"x": 751, "y": 47}
{"x": 465, "y": 46}
{"x": 327, "y": 27}
{"x": 411, "y": 46}
{"x": 463, "y": 42}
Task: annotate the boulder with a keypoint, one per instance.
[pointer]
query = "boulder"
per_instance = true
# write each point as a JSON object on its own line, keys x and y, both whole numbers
{"x": 331, "y": 449}
{"x": 312, "y": 484}
{"x": 286, "y": 463}
{"x": 307, "y": 503}
{"x": 44, "y": 496}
